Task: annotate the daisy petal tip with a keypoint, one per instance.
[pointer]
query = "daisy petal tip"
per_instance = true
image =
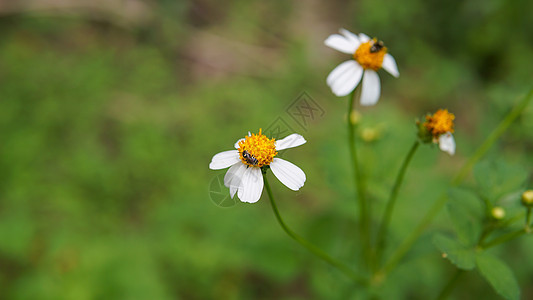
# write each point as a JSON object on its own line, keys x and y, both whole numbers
{"x": 369, "y": 103}
{"x": 340, "y": 93}
{"x": 389, "y": 64}
{"x": 249, "y": 200}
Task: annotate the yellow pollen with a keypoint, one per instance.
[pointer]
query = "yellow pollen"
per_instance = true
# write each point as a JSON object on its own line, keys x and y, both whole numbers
{"x": 439, "y": 123}
{"x": 368, "y": 59}
{"x": 258, "y": 147}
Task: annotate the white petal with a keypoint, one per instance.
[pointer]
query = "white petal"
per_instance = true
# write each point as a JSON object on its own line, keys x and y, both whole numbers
{"x": 389, "y": 64}
{"x": 345, "y": 77}
{"x": 252, "y": 185}
{"x": 237, "y": 143}
{"x": 447, "y": 143}
{"x": 233, "y": 178}
{"x": 339, "y": 70}
{"x": 288, "y": 173}
{"x": 363, "y": 38}
{"x": 341, "y": 43}
{"x": 224, "y": 159}
{"x": 371, "y": 88}
{"x": 291, "y": 141}
{"x": 352, "y": 37}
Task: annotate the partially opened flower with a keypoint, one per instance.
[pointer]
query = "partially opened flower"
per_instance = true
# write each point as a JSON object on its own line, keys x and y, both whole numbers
{"x": 255, "y": 153}
{"x": 368, "y": 56}
{"x": 438, "y": 128}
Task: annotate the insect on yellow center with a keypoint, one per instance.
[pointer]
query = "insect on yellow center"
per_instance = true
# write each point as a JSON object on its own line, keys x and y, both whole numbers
{"x": 439, "y": 123}
{"x": 370, "y": 54}
{"x": 257, "y": 150}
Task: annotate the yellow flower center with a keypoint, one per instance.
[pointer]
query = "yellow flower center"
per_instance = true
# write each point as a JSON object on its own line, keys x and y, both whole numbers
{"x": 370, "y": 54}
{"x": 257, "y": 150}
{"x": 439, "y": 123}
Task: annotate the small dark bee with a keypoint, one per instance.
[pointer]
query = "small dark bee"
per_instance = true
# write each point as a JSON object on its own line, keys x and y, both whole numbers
{"x": 376, "y": 46}
{"x": 249, "y": 158}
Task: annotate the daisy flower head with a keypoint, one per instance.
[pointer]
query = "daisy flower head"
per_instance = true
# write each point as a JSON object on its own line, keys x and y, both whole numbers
{"x": 438, "y": 128}
{"x": 254, "y": 154}
{"x": 368, "y": 56}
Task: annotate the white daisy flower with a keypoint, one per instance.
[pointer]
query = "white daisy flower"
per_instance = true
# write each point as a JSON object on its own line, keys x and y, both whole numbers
{"x": 440, "y": 128}
{"x": 368, "y": 56}
{"x": 245, "y": 176}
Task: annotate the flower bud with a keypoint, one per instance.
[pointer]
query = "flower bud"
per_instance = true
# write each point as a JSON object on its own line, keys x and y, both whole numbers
{"x": 498, "y": 212}
{"x": 369, "y": 134}
{"x": 527, "y": 198}
{"x": 355, "y": 117}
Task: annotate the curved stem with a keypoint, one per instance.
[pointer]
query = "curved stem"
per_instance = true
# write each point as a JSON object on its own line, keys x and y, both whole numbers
{"x": 505, "y": 238}
{"x": 312, "y": 248}
{"x": 358, "y": 181}
{"x": 465, "y": 169}
{"x": 380, "y": 245}
{"x": 450, "y": 285}
{"x": 493, "y": 136}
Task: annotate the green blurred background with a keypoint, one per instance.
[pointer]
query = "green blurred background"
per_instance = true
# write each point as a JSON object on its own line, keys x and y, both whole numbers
{"x": 110, "y": 112}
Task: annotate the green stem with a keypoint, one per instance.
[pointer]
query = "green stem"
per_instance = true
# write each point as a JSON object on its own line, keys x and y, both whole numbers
{"x": 511, "y": 220}
{"x": 494, "y": 135}
{"x": 528, "y": 217}
{"x": 450, "y": 285}
{"x": 392, "y": 201}
{"x": 504, "y": 238}
{"x": 488, "y": 205}
{"x": 358, "y": 181}
{"x": 312, "y": 248}
{"x": 465, "y": 169}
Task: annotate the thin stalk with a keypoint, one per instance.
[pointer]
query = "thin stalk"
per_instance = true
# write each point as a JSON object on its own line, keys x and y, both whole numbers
{"x": 465, "y": 169}
{"x": 493, "y": 136}
{"x": 312, "y": 248}
{"x": 488, "y": 205}
{"x": 504, "y": 238}
{"x": 358, "y": 181}
{"x": 450, "y": 285}
{"x": 528, "y": 217}
{"x": 512, "y": 220}
{"x": 380, "y": 245}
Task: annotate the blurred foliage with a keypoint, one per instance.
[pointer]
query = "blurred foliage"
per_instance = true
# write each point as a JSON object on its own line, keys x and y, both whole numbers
{"x": 107, "y": 130}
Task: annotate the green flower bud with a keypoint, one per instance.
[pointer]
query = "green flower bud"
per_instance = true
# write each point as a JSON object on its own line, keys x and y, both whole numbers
{"x": 369, "y": 134}
{"x": 355, "y": 117}
{"x": 498, "y": 212}
{"x": 527, "y": 198}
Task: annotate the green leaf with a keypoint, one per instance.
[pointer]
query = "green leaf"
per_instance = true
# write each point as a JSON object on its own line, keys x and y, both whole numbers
{"x": 498, "y": 274}
{"x": 466, "y": 213}
{"x": 459, "y": 255}
{"x": 497, "y": 178}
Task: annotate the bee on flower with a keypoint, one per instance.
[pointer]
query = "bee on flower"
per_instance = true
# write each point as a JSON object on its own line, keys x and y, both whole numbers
{"x": 253, "y": 155}
{"x": 438, "y": 128}
{"x": 368, "y": 56}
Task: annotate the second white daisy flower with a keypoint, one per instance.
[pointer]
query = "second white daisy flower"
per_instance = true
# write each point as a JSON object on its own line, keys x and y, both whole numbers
{"x": 368, "y": 56}
{"x": 255, "y": 151}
